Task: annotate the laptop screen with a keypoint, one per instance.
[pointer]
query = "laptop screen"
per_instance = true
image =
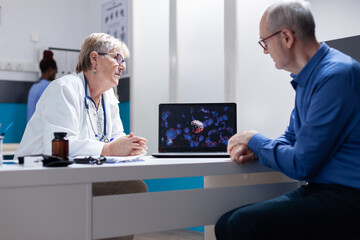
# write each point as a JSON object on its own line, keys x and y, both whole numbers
{"x": 196, "y": 127}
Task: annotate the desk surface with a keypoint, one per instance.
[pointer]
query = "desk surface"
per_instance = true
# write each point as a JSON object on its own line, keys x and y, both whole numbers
{"x": 63, "y": 197}
{"x": 150, "y": 168}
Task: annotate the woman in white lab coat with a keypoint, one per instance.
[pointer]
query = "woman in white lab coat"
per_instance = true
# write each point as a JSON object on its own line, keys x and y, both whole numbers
{"x": 84, "y": 106}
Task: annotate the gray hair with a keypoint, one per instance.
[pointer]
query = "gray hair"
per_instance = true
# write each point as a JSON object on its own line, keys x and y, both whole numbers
{"x": 294, "y": 15}
{"x": 98, "y": 42}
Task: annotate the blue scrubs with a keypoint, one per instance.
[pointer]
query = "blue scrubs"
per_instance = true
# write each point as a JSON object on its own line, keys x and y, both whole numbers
{"x": 35, "y": 93}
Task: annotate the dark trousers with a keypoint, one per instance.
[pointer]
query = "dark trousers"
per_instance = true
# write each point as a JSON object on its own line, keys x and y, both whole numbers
{"x": 313, "y": 211}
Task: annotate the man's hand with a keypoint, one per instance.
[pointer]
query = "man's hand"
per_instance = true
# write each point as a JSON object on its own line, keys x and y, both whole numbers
{"x": 241, "y": 154}
{"x": 240, "y": 138}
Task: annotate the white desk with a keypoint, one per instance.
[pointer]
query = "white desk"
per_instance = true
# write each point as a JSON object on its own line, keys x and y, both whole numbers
{"x": 57, "y": 203}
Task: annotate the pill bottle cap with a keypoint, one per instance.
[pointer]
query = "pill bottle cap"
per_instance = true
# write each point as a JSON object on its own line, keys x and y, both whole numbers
{"x": 60, "y": 134}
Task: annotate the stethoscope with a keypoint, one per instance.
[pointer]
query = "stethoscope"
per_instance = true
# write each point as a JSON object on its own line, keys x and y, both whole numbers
{"x": 103, "y": 138}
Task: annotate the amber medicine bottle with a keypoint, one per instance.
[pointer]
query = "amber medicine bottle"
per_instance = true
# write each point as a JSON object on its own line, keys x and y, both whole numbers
{"x": 60, "y": 146}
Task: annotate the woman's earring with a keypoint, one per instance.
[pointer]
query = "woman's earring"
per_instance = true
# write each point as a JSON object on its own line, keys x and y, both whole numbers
{"x": 94, "y": 71}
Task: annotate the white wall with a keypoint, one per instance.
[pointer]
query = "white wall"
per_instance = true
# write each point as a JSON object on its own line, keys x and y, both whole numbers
{"x": 149, "y": 66}
{"x": 200, "y": 38}
{"x": 58, "y": 23}
{"x": 200, "y": 59}
{"x": 336, "y": 19}
{"x": 264, "y": 95}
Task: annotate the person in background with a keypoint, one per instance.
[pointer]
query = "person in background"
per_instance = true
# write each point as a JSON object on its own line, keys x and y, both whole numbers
{"x": 84, "y": 106}
{"x": 48, "y": 69}
{"x": 321, "y": 145}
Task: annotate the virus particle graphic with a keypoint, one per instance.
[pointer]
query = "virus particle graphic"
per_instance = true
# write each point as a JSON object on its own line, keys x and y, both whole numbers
{"x": 171, "y": 134}
{"x": 197, "y": 126}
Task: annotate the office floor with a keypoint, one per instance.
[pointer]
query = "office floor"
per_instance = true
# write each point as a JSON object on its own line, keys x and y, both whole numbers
{"x": 181, "y": 234}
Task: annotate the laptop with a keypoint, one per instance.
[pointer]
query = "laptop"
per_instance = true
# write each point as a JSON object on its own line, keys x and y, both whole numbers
{"x": 195, "y": 129}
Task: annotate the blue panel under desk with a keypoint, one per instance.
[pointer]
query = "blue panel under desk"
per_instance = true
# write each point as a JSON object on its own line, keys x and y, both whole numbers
{"x": 166, "y": 184}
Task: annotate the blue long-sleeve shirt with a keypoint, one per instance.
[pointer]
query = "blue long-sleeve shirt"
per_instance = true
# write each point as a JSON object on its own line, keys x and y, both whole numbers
{"x": 35, "y": 93}
{"x": 322, "y": 142}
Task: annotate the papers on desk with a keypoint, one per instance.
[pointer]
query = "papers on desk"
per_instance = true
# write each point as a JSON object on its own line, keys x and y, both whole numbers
{"x": 98, "y": 160}
{"x": 125, "y": 159}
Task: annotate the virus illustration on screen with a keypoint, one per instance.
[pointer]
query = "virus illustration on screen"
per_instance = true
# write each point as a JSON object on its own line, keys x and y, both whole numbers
{"x": 197, "y": 126}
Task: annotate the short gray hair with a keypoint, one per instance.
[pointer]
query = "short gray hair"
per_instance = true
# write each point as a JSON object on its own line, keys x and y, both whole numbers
{"x": 294, "y": 15}
{"x": 99, "y": 42}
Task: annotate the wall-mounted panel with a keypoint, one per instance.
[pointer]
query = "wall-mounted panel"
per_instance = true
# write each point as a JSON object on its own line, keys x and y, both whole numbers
{"x": 349, "y": 46}
{"x": 14, "y": 91}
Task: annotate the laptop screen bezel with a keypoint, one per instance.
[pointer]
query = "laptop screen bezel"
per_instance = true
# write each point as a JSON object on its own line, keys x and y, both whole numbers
{"x": 189, "y": 149}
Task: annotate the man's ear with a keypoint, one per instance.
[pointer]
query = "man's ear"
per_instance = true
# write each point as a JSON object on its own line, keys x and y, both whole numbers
{"x": 94, "y": 56}
{"x": 287, "y": 37}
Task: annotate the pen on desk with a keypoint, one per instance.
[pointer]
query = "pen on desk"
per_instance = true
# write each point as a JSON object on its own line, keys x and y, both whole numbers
{"x": 7, "y": 128}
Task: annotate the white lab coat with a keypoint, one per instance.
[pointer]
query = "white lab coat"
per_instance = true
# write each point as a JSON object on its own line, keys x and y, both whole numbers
{"x": 61, "y": 108}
